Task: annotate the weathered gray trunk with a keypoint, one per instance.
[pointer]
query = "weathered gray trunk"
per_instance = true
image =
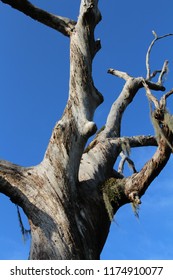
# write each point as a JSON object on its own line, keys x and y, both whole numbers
{"x": 64, "y": 225}
{"x": 70, "y": 196}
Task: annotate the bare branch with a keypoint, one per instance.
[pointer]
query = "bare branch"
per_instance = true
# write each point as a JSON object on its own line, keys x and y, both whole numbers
{"x": 122, "y": 162}
{"x": 164, "y": 97}
{"x": 155, "y": 73}
{"x": 168, "y": 93}
{"x": 156, "y": 38}
{"x": 131, "y": 87}
{"x": 119, "y": 74}
{"x": 155, "y": 86}
{"x": 125, "y": 158}
{"x": 138, "y": 183}
{"x": 148, "y": 57}
{"x": 163, "y": 123}
{"x": 158, "y": 104}
{"x": 61, "y": 24}
{"x": 113, "y": 123}
{"x": 150, "y": 96}
{"x": 163, "y": 72}
{"x": 136, "y": 141}
{"x": 12, "y": 180}
{"x": 131, "y": 165}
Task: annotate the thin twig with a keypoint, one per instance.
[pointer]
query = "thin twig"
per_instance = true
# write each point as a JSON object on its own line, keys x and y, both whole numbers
{"x": 164, "y": 97}
{"x": 122, "y": 162}
{"x": 168, "y": 93}
{"x": 125, "y": 158}
{"x": 155, "y": 73}
{"x": 163, "y": 72}
{"x": 156, "y": 38}
{"x": 131, "y": 165}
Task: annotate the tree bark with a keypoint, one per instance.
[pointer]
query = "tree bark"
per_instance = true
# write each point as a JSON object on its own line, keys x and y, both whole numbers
{"x": 63, "y": 196}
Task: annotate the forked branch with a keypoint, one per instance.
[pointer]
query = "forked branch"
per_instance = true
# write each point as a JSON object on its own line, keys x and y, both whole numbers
{"x": 125, "y": 158}
{"x": 130, "y": 89}
{"x": 138, "y": 183}
{"x": 164, "y": 69}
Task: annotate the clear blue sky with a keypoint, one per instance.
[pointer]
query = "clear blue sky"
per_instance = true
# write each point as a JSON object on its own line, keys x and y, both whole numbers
{"x": 34, "y": 74}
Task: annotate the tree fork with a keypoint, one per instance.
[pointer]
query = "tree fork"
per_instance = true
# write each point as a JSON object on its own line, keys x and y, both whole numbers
{"x": 63, "y": 195}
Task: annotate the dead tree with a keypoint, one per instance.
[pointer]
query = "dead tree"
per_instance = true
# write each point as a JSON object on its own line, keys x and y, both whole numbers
{"x": 66, "y": 194}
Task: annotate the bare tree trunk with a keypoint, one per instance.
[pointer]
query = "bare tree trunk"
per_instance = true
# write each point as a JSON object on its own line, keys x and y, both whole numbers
{"x": 64, "y": 196}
